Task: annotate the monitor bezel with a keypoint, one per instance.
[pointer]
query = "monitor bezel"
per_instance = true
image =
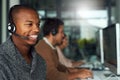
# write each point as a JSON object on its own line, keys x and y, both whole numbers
{"x": 112, "y": 68}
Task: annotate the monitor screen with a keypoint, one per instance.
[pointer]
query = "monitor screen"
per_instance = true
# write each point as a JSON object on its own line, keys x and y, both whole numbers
{"x": 111, "y": 47}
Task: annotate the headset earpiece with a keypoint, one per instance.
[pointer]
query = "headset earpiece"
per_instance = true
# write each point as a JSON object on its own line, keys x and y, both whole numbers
{"x": 54, "y": 32}
{"x": 11, "y": 25}
{"x": 11, "y": 28}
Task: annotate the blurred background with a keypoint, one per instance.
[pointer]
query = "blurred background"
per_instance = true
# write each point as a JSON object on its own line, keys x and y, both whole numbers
{"x": 83, "y": 19}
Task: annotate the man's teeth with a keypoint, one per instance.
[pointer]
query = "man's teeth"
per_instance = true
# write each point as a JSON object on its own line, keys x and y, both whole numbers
{"x": 34, "y": 36}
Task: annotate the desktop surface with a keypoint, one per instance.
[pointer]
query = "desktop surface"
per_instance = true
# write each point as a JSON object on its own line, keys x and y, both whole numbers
{"x": 99, "y": 73}
{"x": 102, "y": 75}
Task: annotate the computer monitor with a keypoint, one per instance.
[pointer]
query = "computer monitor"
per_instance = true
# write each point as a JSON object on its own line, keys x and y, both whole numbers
{"x": 111, "y": 47}
{"x": 99, "y": 45}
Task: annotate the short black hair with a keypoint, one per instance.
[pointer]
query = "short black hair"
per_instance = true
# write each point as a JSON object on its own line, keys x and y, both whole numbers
{"x": 14, "y": 9}
{"x": 50, "y": 25}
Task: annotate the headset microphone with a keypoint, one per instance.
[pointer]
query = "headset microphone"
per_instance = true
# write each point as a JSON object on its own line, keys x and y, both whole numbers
{"x": 23, "y": 37}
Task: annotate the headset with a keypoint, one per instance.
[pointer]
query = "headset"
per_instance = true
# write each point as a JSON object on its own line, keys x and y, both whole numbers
{"x": 11, "y": 28}
{"x": 11, "y": 25}
{"x": 54, "y": 32}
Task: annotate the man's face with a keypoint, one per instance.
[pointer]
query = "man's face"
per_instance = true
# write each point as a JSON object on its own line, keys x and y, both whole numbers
{"x": 59, "y": 36}
{"x": 27, "y": 24}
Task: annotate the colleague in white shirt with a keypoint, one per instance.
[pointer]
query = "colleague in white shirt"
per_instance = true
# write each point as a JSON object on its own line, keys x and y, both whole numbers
{"x": 63, "y": 59}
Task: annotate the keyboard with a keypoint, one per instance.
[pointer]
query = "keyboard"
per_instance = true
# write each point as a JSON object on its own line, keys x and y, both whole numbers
{"x": 86, "y": 65}
{"x": 100, "y": 75}
{"x": 95, "y": 77}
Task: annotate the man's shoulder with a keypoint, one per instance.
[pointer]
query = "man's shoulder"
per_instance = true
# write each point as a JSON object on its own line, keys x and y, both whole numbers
{"x": 3, "y": 61}
{"x": 4, "y": 54}
{"x": 40, "y": 42}
{"x": 43, "y": 48}
{"x": 2, "y": 48}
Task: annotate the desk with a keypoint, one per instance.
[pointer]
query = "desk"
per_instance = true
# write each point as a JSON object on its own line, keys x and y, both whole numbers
{"x": 100, "y": 74}
{"x": 103, "y": 75}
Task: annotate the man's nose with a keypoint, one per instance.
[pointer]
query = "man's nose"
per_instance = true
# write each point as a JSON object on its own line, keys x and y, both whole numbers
{"x": 36, "y": 28}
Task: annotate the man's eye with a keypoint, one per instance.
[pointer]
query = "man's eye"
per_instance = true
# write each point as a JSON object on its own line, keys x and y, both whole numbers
{"x": 30, "y": 24}
{"x": 38, "y": 24}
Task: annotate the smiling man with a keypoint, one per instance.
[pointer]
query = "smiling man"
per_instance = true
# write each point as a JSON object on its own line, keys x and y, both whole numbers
{"x": 18, "y": 59}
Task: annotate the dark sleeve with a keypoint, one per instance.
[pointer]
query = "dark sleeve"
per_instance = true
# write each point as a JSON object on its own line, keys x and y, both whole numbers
{"x": 52, "y": 71}
{"x": 55, "y": 73}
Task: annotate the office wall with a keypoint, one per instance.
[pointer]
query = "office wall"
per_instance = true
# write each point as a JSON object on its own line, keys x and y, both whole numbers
{"x": 117, "y": 11}
{"x": 0, "y": 20}
{"x": 13, "y": 2}
{"x": 4, "y": 20}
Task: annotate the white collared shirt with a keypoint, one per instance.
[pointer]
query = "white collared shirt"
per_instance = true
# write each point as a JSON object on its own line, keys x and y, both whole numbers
{"x": 46, "y": 40}
{"x": 63, "y": 60}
